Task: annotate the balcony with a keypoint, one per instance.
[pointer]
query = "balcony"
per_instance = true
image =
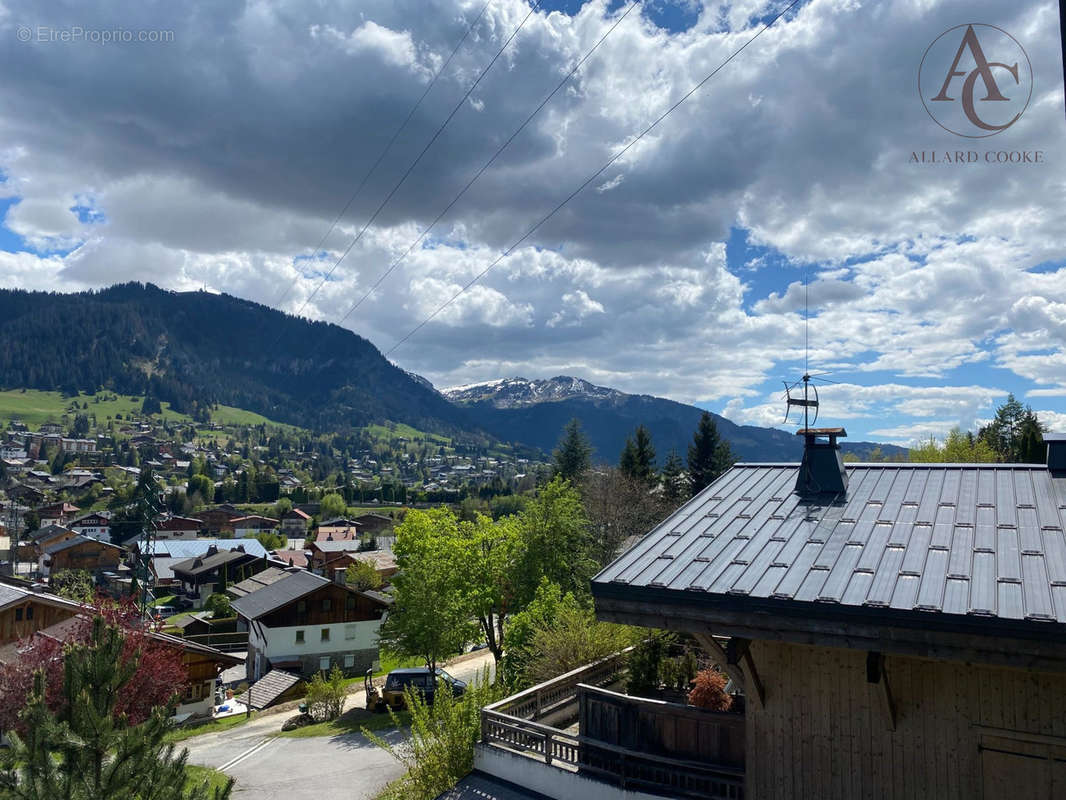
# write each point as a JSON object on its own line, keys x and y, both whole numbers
{"x": 574, "y": 736}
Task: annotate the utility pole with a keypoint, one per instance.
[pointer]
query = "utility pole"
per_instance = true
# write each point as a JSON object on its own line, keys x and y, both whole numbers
{"x": 150, "y": 507}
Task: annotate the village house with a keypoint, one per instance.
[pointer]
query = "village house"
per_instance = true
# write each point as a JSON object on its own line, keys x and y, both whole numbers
{"x": 373, "y": 524}
{"x": 218, "y": 520}
{"x": 177, "y": 527}
{"x": 336, "y": 530}
{"x": 57, "y": 513}
{"x": 329, "y": 557}
{"x": 294, "y": 523}
{"x": 34, "y": 544}
{"x": 252, "y": 525}
{"x": 292, "y": 558}
{"x": 26, "y": 608}
{"x": 895, "y": 630}
{"x": 305, "y": 624}
{"x": 202, "y": 576}
{"x": 202, "y": 663}
{"x": 80, "y": 552}
{"x": 96, "y": 525}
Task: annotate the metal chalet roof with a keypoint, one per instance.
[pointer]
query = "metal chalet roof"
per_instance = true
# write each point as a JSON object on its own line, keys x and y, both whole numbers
{"x": 280, "y": 593}
{"x": 972, "y": 540}
{"x": 190, "y": 548}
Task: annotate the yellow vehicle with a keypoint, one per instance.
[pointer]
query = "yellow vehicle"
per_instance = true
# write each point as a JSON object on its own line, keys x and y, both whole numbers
{"x": 419, "y": 678}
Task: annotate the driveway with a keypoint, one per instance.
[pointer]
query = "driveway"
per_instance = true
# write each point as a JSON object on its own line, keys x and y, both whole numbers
{"x": 316, "y": 768}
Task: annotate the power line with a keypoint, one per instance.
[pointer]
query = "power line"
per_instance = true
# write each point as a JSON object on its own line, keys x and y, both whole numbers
{"x": 488, "y": 163}
{"x": 381, "y": 157}
{"x": 593, "y": 177}
{"x": 429, "y": 144}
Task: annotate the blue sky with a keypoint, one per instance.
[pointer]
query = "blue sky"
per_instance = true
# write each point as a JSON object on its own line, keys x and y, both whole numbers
{"x": 220, "y": 159}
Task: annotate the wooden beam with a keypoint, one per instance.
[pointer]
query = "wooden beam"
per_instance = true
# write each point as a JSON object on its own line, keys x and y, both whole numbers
{"x": 1027, "y": 654}
{"x": 752, "y": 688}
{"x": 878, "y": 679}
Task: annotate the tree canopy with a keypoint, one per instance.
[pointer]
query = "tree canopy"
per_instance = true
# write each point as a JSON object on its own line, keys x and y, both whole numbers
{"x": 638, "y": 456}
{"x": 89, "y": 749}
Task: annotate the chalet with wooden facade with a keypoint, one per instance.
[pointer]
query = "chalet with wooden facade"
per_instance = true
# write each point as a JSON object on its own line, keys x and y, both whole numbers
{"x": 218, "y": 520}
{"x": 202, "y": 664}
{"x": 217, "y": 568}
{"x": 57, "y": 514}
{"x": 294, "y": 523}
{"x": 304, "y": 624}
{"x": 897, "y": 630}
{"x": 178, "y": 528}
{"x": 252, "y": 525}
{"x": 80, "y": 552}
{"x": 24, "y": 610}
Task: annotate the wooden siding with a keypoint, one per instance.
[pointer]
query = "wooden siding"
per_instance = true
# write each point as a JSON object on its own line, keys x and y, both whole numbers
{"x": 824, "y": 732}
{"x": 362, "y": 609}
{"x": 660, "y": 728}
{"x": 15, "y": 624}
{"x": 91, "y": 555}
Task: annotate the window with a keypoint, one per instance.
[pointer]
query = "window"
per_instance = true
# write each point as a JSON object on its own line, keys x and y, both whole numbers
{"x": 29, "y": 612}
{"x": 299, "y": 637}
{"x": 349, "y": 603}
{"x": 325, "y": 634}
{"x": 301, "y": 606}
{"x": 325, "y": 604}
{"x": 18, "y": 615}
{"x": 350, "y": 631}
{"x": 323, "y": 663}
{"x": 349, "y": 660}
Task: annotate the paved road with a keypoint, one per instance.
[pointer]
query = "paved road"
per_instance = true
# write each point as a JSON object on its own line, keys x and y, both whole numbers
{"x": 317, "y": 768}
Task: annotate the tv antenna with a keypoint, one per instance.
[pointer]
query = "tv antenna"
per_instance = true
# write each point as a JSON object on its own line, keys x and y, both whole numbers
{"x": 809, "y": 400}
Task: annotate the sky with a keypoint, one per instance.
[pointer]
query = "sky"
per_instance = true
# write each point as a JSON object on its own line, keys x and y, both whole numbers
{"x": 811, "y": 205}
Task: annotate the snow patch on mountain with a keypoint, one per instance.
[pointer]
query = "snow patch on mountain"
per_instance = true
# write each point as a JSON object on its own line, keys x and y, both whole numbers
{"x": 518, "y": 392}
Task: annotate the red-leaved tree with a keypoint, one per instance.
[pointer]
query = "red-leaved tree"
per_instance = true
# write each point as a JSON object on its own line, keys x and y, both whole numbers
{"x": 160, "y": 671}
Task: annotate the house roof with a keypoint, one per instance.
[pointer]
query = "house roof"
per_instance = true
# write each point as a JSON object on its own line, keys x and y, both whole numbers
{"x": 336, "y": 545}
{"x": 76, "y": 541}
{"x": 339, "y": 522}
{"x": 207, "y": 563}
{"x": 297, "y": 557}
{"x": 254, "y": 518}
{"x": 49, "y": 531}
{"x": 287, "y": 590}
{"x": 269, "y": 688}
{"x": 12, "y": 594}
{"x": 189, "y": 548}
{"x": 258, "y": 581}
{"x": 961, "y": 547}
{"x": 278, "y": 594}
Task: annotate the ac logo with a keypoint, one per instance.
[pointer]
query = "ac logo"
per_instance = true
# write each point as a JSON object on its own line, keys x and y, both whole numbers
{"x": 975, "y": 80}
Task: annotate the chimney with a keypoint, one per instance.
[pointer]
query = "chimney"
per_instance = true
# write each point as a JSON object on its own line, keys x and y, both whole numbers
{"x": 1056, "y": 452}
{"x": 822, "y": 470}
{"x": 339, "y": 574}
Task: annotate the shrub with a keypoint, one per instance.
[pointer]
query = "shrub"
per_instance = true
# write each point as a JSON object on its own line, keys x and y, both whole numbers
{"x": 325, "y": 696}
{"x": 219, "y": 605}
{"x": 441, "y": 748}
{"x": 709, "y": 691}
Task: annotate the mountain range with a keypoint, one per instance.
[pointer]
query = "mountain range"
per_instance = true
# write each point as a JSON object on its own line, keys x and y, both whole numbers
{"x": 196, "y": 349}
{"x": 535, "y": 411}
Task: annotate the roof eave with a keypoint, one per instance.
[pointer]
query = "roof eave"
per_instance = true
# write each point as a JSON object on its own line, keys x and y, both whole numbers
{"x": 1027, "y": 644}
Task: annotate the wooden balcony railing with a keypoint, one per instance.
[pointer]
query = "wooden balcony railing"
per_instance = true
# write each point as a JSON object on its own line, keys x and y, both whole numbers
{"x": 511, "y": 724}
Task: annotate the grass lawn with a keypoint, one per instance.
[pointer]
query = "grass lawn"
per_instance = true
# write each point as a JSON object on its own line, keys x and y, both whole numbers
{"x": 195, "y": 775}
{"x": 351, "y": 721}
{"x": 210, "y": 726}
{"x": 164, "y": 600}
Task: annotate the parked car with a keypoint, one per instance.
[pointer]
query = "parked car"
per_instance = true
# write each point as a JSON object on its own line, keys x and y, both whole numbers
{"x": 419, "y": 678}
{"x": 165, "y": 611}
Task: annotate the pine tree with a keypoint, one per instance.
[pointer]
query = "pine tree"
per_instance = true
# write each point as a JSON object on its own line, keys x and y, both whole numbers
{"x": 675, "y": 481}
{"x": 89, "y": 751}
{"x": 638, "y": 457}
{"x": 708, "y": 455}
{"x": 573, "y": 453}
